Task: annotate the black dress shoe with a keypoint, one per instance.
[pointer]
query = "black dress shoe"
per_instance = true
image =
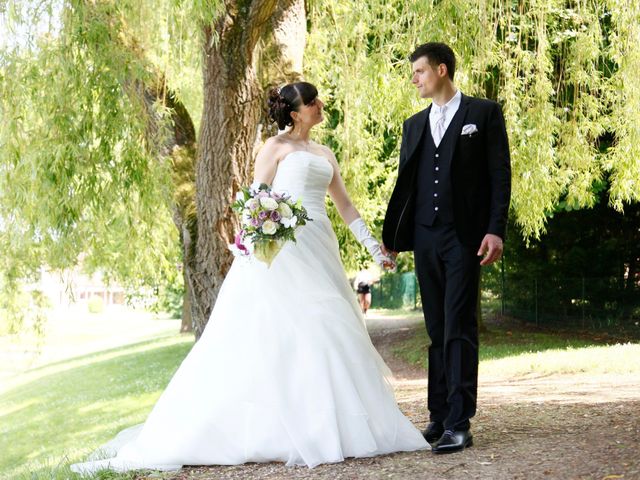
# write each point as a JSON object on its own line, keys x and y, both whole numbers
{"x": 433, "y": 432}
{"x": 453, "y": 441}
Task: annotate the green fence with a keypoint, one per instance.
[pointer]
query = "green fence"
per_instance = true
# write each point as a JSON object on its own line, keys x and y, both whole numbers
{"x": 584, "y": 302}
{"x": 396, "y": 290}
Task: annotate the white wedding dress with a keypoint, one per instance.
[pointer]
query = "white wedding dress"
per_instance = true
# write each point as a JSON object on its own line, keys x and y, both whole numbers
{"x": 285, "y": 369}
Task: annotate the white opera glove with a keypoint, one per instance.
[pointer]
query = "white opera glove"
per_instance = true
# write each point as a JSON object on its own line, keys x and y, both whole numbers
{"x": 362, "y": 234}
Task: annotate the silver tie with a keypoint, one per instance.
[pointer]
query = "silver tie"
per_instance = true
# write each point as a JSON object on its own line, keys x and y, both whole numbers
{"x": 438, "y": 131}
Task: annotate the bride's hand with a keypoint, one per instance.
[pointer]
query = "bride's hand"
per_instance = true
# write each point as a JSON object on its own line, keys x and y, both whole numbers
{"x": 389, "y": 265}
{"x": 385, "y": 261}
{"x": 390, "y": 253}
{"x": 375, "y": 248}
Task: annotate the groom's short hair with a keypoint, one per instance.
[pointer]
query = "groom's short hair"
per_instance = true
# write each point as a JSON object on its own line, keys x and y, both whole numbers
{"x": 436, "y": 54}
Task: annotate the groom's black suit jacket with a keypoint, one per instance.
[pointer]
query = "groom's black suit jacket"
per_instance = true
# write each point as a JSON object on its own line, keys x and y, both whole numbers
{"x": 480, "y": 175}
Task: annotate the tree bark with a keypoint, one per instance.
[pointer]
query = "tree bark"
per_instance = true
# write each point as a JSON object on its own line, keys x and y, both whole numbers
{"x": 281, "y": 59}
{"x": 186, "y": 325}
{"x": 232, "y": 109}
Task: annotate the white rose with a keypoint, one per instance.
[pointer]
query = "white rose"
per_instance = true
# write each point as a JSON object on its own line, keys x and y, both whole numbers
{"x": 251, "y": 204}
{"x": 268, "y": 203}
{"x": 269, "y": 227}
{"x": 285, "y": 210}
{"x": 289, "y": 222}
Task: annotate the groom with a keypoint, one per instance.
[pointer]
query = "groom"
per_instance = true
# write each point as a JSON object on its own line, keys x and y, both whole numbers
{"x": 450, "y": 207}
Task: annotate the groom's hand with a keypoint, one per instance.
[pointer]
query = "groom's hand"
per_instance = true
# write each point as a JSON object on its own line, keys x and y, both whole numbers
{"x": 492, "y": 246}
{"x": 387, "y": 252}
{"x": 389, "y": 265}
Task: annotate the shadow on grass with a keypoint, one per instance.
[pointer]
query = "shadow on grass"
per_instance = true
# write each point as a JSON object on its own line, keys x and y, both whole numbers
{"x": 69, "y": 413}
{"x": 108, "y": 351}
{"x": 496, "y": 343}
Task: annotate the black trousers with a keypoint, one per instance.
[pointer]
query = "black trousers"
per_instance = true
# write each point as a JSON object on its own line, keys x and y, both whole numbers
{"x": 448, "y": 274}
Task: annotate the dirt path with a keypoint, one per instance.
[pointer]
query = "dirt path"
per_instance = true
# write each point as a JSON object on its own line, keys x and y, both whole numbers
{"x": 534, "y": 427}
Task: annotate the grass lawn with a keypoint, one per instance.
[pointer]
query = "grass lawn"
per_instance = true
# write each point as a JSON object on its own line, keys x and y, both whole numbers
{"x": 57, "y": 413}
{"x": 518, "y": 352}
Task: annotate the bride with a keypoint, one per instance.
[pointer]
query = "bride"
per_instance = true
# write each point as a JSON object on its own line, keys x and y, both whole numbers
{"x": 285, "y": 369}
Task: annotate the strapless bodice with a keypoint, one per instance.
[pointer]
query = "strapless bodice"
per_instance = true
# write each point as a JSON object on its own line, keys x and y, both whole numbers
{"x": 305, "y": 175}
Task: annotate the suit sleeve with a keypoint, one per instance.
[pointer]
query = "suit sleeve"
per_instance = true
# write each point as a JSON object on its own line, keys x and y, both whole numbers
{"x": 499, "y": 163}
{"x": 391, "y": 217}
{"x": 403, "y": 146}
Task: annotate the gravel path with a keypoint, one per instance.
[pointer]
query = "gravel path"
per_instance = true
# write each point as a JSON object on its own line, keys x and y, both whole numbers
{"x": 535, "y": 427}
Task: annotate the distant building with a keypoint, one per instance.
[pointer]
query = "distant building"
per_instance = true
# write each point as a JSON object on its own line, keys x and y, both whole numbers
{"x": 72, "y": 287}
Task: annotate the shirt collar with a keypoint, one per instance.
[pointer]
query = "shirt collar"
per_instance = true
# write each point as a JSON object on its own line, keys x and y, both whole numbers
{"x": 451, "y": 104}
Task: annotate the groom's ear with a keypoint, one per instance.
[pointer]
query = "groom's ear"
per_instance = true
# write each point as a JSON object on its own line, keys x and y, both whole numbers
{"x": 442, "y": 70}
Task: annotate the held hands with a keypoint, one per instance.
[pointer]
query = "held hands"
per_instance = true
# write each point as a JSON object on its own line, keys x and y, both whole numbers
{"x": 389, "y": 265}
{"x": 391, "y": 255}
{"x": 361, "y": 232}
{"x": 385, "y": 261}
{"x": 388, "y": 252}
{"x": 491, "y": 246}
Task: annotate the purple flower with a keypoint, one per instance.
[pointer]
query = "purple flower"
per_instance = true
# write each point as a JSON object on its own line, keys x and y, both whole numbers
{"x": 238, "y": 242}
{"x": 263, "y": 215}
{"x": 263, "y": 194}
{"x": 255, "y": 222}
{"x": 275, "y": 216}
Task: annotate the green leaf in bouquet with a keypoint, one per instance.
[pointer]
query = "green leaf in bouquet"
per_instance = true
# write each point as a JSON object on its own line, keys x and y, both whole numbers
{"x": 266, "y": 250}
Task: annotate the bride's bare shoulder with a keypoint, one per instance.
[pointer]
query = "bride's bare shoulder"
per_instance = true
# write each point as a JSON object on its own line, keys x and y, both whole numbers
{"x": 273, "y": 143}
{"x": 275, "y": 148}
{"x": 276, "y": 140}
{"x": 327, "y": 152}
{"x": 271, "y": 150}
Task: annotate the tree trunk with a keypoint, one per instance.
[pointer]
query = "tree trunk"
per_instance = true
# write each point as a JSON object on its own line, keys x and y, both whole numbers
{"x": 281, "y": 60}
{"x": 187, "y": 323}
{"x": 233, "y": 116}
{"x": 232, "y": 109}
{"x": 182, "y": 151}
{"x": 290, "y": 37}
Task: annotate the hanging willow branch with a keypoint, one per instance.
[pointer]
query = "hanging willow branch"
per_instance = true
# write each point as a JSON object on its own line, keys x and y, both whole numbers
{"x": 564, "y": 72}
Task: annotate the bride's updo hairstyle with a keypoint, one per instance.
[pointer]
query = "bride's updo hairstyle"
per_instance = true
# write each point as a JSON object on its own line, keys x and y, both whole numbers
{"x": 283, "y": 101}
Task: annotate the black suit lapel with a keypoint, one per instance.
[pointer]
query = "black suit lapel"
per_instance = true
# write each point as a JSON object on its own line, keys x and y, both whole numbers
{"x": 455, "y": 127}
{"x": 415, "y": 134}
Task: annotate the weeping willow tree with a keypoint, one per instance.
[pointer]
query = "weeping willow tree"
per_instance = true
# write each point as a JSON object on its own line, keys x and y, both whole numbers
{"x": 99, "y": 156}
{"x": 564, "y": 72}
{"x": 128, "y": 125}
{"x": 78, "y": 161}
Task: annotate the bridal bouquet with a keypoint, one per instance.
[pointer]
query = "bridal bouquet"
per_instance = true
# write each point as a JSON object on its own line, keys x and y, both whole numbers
{"x": 268, "y": 220}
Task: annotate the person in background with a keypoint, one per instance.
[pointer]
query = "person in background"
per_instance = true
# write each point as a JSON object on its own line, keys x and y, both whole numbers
{"x": 362, "y": 284}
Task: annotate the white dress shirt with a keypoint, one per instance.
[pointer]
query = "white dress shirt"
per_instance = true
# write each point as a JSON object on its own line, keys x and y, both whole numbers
{"x": 450, "y": 110}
